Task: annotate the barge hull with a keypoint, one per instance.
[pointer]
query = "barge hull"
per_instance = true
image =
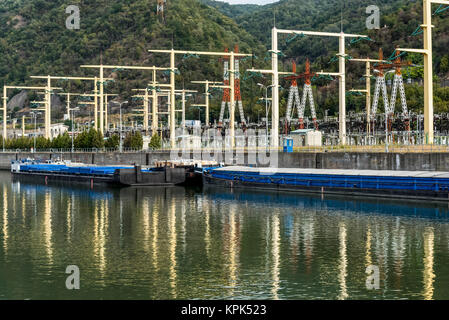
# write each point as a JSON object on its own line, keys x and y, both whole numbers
{"x": 422, "y": 195}
{"x": 402, "y": 185}
{"x": 121, "y": 177}
{"x": 48, "y": 178}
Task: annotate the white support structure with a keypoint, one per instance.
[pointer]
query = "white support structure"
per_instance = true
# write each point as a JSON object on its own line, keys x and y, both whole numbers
{"x": 367, "y": 91}
{"x": 428, "y": 71}
{"x": 307, "y": 93}
{"x": 293, "y": 102}
{"x": 398, "y": 83}
{"x": 47, "y": 106}
{"x": 226, "y": 95}
{"x": 102, "y": 80}
{"x": 380, "y": 86}
{"x": 279, "y": 74}
{"x": 183, "y": 95}
{"x": 206, "y": 98}
{"x": 172, "y": 53}
{"x": 48, "y": 98}
{"x": 342, "y": 83}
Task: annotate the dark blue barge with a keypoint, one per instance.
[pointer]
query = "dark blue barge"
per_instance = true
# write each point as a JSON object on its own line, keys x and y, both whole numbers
{"x": 114, "y": 175}
{"x": 394, "y": 184}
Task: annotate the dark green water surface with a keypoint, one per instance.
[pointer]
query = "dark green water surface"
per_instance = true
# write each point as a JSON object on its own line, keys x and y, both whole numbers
{"x": 182, "y": 243}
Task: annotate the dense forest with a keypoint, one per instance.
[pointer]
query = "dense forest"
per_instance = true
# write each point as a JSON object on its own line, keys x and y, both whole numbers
{"x": 399, "y": 24}
{"x": 34, "y": 40}
{"x": 232, "y": 11}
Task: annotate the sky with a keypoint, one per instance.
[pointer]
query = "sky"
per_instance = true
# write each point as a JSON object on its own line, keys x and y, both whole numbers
{"x": 249, "y": 1}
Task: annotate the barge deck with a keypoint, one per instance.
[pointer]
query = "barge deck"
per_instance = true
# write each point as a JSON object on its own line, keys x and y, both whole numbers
{"x": 392, "y": 184}
{"x": 113, "y": 175}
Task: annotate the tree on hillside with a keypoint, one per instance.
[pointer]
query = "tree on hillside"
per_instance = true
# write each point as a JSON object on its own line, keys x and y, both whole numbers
{"x": 156, "y": 142}
{"x": 134, "y": 141}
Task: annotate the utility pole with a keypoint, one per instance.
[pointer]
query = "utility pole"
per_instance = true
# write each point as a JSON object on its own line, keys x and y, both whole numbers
{"x": 206, "y": 83}
{"x": 232, "y": 55}
{"x": 274, "y": 117}
{"x": 428, "y": 71}
{"x": 73, "y": 127}
{"x": 183, "y": 95}
{"x": 48, "y": 96}
{"x": 342, "y": 77}
{"x": 367, "y": 91}
{"x": 102, "y": 80}
{"x": 5, "y": 106}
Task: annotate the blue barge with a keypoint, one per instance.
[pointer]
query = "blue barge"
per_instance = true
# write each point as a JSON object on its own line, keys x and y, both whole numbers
{"x": 394, "y": 184}
{"x": 115, "y": 175}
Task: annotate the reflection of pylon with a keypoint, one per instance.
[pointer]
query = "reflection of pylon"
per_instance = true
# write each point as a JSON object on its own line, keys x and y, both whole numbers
{"x": 307, "y": 93}
{"x": 381, "y": 85}
{"x": 227, "y": 92}
{"x": 161, "y": 8}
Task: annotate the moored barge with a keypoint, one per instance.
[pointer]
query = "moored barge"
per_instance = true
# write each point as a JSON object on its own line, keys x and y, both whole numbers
{"x": 112, "y": 175}
{"x": 392, "y": 184}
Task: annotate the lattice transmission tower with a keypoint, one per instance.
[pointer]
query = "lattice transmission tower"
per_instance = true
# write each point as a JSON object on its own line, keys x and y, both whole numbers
{"x": 307, "y": 93}
{"x": 226, "y": 101}
{"x": 398, "y": 83}
{"x": 381, "y": 85}
{"x": 293, "y": 98}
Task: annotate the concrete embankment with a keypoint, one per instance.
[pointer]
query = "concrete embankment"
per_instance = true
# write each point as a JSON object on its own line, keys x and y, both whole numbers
{"x": 328, "y": 160}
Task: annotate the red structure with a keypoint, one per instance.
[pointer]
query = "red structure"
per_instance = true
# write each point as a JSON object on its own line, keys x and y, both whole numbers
{"x": 398, "y": 83}
{"x": 227, "y": 92}
{"x": 307, "y": 92}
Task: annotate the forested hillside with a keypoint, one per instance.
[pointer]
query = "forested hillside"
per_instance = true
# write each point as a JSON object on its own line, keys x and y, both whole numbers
{"x": 400, "y": 20}
{"x": 34, "y": 40}
{"x": 233, "y": 11}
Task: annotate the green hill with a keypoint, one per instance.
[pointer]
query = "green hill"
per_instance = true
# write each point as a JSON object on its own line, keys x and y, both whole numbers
{"x": 234, "y": 10}
{"x": 399, "y": 20}
{"x": 34, "y": 40}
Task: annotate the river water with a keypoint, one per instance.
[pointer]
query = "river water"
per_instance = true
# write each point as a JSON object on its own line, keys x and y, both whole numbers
{"x": 185, "y": 243}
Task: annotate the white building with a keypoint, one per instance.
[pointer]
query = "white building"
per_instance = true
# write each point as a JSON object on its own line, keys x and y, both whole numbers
{"x": 57, "y": 129}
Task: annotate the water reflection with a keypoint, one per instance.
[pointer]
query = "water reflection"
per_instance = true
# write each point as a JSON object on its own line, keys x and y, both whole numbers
{"x": 368, "y": 257}
{"x": 276, "y": 237}
{"x": 5, "y": 220}
{"x": 343, "y": 262}
{"x": 155, "y": 234}
{"x": 172, "y": 243}
{"x": 398, "y": 251}
{"x": 47, "y": 224}
{"x": 176, "y": 243}
{"x": 429, "y": 274}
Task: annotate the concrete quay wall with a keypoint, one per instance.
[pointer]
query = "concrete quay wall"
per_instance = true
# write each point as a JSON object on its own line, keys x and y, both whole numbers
{"x": 326, "y": 160}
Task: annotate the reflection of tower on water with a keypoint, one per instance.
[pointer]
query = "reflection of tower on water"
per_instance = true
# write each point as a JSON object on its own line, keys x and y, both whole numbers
{"x": 308, "y": 233}
{"x": 428, "y": 260}
{"x": 275, "y": 250}
{"x": 47, "y": 223}
{"x": 172, "y": 246}
{"x": 5, "y": 231}
{"x": 231, "y": 246}
{"x": 343, "y": 262}
{"x": 398, "y": 251}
